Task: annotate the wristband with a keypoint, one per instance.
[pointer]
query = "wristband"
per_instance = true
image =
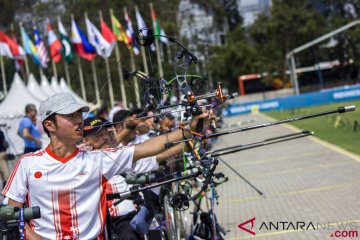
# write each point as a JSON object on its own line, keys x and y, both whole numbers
{"x": 22, "y": 234}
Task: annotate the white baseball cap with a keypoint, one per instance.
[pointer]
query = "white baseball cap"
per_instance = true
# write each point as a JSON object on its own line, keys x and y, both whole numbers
{"x": 62, "y": 103}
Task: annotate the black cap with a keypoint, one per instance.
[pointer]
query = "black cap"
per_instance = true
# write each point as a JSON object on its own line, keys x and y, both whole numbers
{"x": 93, "y": 125}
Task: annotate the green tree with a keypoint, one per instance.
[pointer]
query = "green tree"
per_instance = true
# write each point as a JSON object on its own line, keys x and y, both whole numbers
{"x": 289, "y": 25}
{"x": 339, "y": 13}
{"x": 263, "y": 46}
{"x": 8, "y": 9}
{"x": 236, "y": 58}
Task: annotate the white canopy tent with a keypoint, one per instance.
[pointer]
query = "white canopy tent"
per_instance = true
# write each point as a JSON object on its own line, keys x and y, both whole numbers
{"x": 16, "y": 99}
{"x": 54, "y": 85}
{"x": 12, "y": 109}
{"x": 34, "y": 88}
{"x": 65, "y": 88}
{"x": 45, "y": 86}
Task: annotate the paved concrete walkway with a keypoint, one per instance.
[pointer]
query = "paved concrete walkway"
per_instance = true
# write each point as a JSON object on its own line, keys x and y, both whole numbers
{"x": 303, "y": 180}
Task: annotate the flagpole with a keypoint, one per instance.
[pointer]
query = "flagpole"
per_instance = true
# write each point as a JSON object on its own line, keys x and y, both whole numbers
{"x": 67, "y": 73}
{"x": 111, "y": 92}
{"x": 108, "y": 75}
{"x": 146, "y": 70}
{"x": 97, "y": 94}
{"x": 121, "y": 76}
{"x": 27, "y": 67}
{"x": 118, "y": 61}
{"x": 157, "y": 46}
{"x": 136, "y": 84}
{"x": 54, "y": 69}
{"x": 41, "y": 72}
{"x": 83, "y": 93}
{"x": 3, "y": 74}
{"x": 132, "y": 62}
{"x": 143, "y": 54}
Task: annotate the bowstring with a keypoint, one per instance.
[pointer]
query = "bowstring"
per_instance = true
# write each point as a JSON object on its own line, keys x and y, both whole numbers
{"x": 93, "y": 103}
{"x": 141, "y": 92}
{"x": 102, "y": 88}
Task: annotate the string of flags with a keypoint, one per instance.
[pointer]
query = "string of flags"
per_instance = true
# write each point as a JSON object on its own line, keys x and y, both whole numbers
{"x": 95, "y": 43}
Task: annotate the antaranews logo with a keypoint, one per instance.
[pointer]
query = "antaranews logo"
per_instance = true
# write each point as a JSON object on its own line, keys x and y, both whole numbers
{"x": 251, "y": 221}
{"x": 347, "y": 229}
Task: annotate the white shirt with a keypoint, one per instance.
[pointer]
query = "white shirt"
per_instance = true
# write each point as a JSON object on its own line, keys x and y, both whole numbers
{"x": 143, "y": 138}
{"x": 117, "y": 184}
{"x": 69, "y": 191}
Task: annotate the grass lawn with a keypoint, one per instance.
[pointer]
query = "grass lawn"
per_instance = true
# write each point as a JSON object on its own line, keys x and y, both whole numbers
{"x": 335, "y": 128}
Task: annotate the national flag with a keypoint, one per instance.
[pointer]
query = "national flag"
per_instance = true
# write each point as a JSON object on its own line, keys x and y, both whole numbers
{"x": 67, "y": 48}
{"x": 106, "y": 32}
{"x": 29, "y": 46}
{"x": 82, "y": 46}
{"x": 20, "y": 58}
{"x": 156, "y": 25}
{"x": 10, "y": 49}
{"x": 118, "y": 30}
{"x": 130, "y": 34}
{"x": 54, "y": 44}
{"x": 41, "y": 48}
{"x": 4, "y": 46}
{"x": 103, "y": 47}
{"x": 164, "y": 39}
{"x": 141, "y": 25}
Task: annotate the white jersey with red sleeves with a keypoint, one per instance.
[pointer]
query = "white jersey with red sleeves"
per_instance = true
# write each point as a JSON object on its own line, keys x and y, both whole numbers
{"x": 117, "y": 184}
{"x": 69, "y": 191}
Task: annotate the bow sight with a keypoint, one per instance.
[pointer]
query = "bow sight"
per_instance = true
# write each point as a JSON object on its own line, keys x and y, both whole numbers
{"x": 182, "y": 63}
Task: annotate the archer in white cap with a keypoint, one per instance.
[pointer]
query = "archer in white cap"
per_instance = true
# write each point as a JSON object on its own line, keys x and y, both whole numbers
{"x": 67, "y": 183}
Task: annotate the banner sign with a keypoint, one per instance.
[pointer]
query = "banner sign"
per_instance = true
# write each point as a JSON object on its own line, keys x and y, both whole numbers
{"x": 291, "y": 102}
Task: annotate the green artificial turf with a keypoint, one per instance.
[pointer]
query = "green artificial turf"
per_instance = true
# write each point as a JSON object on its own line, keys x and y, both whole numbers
{"x": 335, "y": 128}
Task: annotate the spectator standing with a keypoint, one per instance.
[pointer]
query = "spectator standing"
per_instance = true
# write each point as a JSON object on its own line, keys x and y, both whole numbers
{"x": 29, "y": 131}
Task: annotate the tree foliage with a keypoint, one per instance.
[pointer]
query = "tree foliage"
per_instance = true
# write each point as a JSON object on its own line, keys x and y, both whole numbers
{"x": 8, "y": 9}
{"x": 288, "y": 25}
{"x": 236, "y": 58}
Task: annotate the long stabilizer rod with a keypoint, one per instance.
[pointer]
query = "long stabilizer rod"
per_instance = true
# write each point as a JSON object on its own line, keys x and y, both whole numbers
{"x": 339, "y": 110}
